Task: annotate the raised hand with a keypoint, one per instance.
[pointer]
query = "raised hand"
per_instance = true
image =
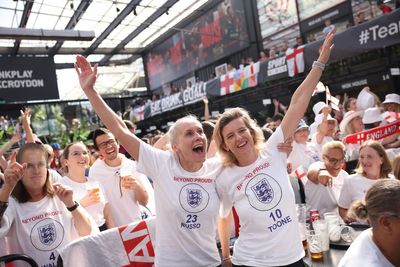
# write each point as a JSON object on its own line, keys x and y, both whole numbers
{"x": 13, "y": 173}
{"x": 87, "y": 75}
{"x": 15, "y": 138}
{"x": 26, "y": 116}
{"x": 65, "y": 194}
{"x": 327, "y": 47}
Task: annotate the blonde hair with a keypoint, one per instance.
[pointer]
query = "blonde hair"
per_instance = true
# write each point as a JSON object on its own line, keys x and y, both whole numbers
{"x": 228, "y": 158}
{"x": 396, "y": 167}
{"x": 333, "y": 145}
{"x": 383, "y": 198}
{"x": 386, "y": 166}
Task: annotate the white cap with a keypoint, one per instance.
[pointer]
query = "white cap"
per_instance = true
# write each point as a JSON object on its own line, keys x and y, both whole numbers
{"x": 318, "y": 107}
{"x": 319, "y": 117}
{"x": 372, "y": 115}
{"x": 392, "y": 98}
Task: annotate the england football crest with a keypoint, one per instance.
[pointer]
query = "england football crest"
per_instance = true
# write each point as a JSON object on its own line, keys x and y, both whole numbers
{"x": 263, "y": 192}
{"x": 47, "y": 234}
{"x": 193, "y": 198}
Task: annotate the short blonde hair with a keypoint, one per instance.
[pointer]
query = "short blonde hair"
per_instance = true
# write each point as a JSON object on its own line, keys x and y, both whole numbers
{"x": 228, "y": 158}
{"x": 386, "y": 166}
{"x": 173, "y": 131}
{"x": 333, "y": 145}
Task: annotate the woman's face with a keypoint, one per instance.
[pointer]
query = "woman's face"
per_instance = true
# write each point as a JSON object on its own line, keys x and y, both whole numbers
{"x": 78, "y": 157}
{"x": 353, "y": 105}
{"x": 237, "y": 138}
{"x": 191, "y": 142}
{"x": 357, "y": 124}
{"x": 35, "y": 174}
{"x": 370, "y": 160}
{"x": 301, "y": 136}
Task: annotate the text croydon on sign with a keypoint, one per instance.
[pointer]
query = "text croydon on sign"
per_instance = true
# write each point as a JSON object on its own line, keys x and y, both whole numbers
{"x": 23, "y": 79}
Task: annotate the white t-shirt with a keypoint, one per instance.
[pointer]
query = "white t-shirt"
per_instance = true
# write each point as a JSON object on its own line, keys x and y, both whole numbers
{"x": 302, "y": 154}
{"x": 354, "y": 188}
{"x": 122, "y": 202}
{"x": 364, "y": 252}
{"x": 80, "y": 191}
{"x": 186, "y": 207}
{"x": 264, "y": 201}
{"x": 318, "y": 147}
{"x": 324, "y": 198}
{"x": 39, "y": 228}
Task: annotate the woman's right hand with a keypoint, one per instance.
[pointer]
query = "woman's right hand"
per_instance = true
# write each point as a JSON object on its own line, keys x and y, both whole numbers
{"x": 12, "y": 175}
{"x": 87, "y": 75}
{"x": 92, "y": 197}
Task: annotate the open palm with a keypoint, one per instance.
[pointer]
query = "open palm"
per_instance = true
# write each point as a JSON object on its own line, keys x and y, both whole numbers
{"x": 87, "y": 75}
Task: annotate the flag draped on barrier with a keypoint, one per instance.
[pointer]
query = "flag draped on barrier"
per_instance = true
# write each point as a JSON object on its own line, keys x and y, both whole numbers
{"x": 130, "y": 245}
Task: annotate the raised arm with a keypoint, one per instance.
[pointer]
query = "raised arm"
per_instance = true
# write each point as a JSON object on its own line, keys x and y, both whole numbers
{"x": 87, "y": 79}
{"x": 26, "y": 124}
{"x": 302, "y": 95}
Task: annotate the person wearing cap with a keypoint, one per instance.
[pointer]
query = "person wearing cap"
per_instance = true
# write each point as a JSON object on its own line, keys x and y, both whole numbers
{"x": 303, "y": 153}
{"x": 326, "y": 129}
{"x": 392, "y": 103}
{"x": 317, "y": 109}
{"x": 325, "y": 179}
{"x": 372, "y": 118}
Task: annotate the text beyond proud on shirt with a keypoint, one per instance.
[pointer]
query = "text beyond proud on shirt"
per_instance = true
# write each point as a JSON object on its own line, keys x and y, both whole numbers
{"x": 193, "y": 180}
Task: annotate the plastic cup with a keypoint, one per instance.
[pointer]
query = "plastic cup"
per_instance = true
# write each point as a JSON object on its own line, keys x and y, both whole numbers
{"x": 315, "y": 246}
{"x": 321, "y": 228}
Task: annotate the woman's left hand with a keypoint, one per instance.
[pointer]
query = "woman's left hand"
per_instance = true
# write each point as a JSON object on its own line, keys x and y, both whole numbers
{"x": 65, "y": 194}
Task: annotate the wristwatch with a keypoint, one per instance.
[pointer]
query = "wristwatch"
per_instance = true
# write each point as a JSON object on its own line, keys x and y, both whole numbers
{"x": 72, "y": 208}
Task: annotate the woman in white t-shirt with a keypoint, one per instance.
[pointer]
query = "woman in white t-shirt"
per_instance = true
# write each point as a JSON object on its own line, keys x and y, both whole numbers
{"x": 186, "y": 201}
{"x": 38, "y": 216}
{"x": 255, "y": 182}
{"x": 90, "y": 195}
{"x": 378, "y": 246}
{"x": 374, "y": 164}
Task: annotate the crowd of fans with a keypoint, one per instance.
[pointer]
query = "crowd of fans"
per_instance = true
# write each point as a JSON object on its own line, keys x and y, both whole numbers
{"x": 50, "y": 196}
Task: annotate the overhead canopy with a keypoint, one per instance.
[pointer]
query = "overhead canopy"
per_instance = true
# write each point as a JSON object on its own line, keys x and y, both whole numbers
{"x": 123, "y": 29}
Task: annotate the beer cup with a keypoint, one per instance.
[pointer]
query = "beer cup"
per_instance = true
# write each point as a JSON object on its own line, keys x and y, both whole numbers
{"x": 315, "y": 246}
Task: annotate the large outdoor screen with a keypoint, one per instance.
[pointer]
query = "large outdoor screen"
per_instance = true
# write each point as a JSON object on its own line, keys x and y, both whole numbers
{"x": 216, "y": 34}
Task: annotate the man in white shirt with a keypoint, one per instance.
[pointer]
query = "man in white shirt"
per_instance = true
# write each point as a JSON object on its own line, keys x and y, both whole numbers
{"x": 125, "y": 188}
{"x": 325, "y": 179}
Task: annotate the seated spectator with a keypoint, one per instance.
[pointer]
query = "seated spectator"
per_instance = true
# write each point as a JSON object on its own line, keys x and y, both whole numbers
{"x": 303, "y": 153}
{"x": 350, "y": 103}
{"x": 372, "y": 118}
{"x": 328, "y": 27}
{"x": 272, "y": 53}
{"x": 392, "y": 103}
{"x": 352, "y": 123}
{"x": 326, "y": 128}
{"x": 378, "y": 245}
{"x": 374, "y": 164}
{"x": 325, "y": 179}
{"x": 384, "y": 7}
{"x": 263, "y": 56}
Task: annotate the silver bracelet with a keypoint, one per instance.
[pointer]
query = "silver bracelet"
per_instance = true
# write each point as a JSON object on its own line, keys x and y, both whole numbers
{"x": 319, "y": 65}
